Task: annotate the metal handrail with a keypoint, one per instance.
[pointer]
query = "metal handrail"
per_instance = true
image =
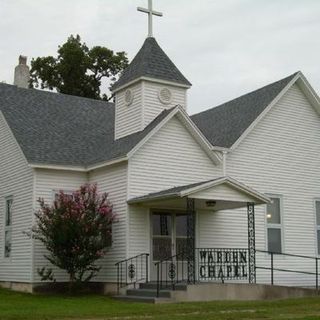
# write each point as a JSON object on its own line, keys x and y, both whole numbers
{"x": 137, "y": 256}
{"x": 272, "y": 268}
{"x": 136, "y": 270}
{"x": 168, "y": 258}
{"x": 287, "y": 254}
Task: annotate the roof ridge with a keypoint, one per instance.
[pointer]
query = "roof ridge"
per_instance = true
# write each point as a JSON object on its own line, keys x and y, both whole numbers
{"x": 47, "y": 92}
{"x": 248, "y": 93}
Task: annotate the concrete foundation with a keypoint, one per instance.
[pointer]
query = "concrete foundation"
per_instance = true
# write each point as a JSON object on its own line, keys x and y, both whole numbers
{"x": 191, "y": 293}
{"x": 17, "y": 286}
{"x": 59, "y": 287}
{"x": 110, "y": 288}
{"x": 218, "y": 292}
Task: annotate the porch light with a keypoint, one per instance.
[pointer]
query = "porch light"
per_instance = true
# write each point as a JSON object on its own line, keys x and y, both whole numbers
{"x": 211, "y": 203}
{"x": 269, "y": 215}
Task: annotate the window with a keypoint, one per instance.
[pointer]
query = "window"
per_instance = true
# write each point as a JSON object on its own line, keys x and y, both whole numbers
{"x": 274, "y": 225}
{"x": 56, "y": 194}
{"x": 8, "y": 228}
{"x": 161, "y": 235}
{"x": 318, "y": 224}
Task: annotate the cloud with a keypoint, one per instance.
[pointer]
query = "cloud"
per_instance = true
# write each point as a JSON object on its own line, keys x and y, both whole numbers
{"x": 225, "y": 48}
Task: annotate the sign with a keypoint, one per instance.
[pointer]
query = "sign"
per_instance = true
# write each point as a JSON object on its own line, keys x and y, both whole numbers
{"x": 223, "y": 264}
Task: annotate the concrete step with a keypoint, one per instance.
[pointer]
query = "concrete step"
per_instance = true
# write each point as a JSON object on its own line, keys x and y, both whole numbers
{"x": 153, "y": 286}
{"x": 148, "y": 293}
{"x": 143, "y": 299}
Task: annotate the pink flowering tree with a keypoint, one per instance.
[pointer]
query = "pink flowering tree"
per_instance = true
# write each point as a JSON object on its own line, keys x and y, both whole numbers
{"x": 76, "y": 231}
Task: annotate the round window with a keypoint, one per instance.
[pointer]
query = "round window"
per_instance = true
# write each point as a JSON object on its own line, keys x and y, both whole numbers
{"x": 165, "y": 96}
{"x": 128, "y": 97}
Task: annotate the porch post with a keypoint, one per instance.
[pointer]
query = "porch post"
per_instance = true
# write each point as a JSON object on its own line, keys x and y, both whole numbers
{"x": 251, "y": 243}
{"x": 191, "y": 240}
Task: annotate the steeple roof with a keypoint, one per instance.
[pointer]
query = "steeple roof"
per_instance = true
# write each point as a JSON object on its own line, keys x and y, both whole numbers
{"x": 152, "y": 62}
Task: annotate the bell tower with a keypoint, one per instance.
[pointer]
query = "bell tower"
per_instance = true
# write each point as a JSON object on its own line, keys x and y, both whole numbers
{"x": 150, "y": 84}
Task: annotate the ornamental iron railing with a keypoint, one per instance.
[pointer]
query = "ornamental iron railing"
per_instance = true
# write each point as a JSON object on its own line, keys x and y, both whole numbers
{"x": 133, "y": 271}
{"x": 210, "y": 264}
{"x": 231, "y": 264}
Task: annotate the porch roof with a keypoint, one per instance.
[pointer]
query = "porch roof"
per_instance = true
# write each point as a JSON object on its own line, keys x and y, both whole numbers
{"x": 223, "y": 189}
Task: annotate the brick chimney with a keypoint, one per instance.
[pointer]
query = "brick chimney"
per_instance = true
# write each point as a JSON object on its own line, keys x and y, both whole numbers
{"x": 22, "y": 73}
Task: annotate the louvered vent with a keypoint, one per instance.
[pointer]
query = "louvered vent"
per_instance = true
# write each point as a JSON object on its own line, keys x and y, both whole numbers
{"x": 128, "y": 97}
{"x": 165, "y": 96}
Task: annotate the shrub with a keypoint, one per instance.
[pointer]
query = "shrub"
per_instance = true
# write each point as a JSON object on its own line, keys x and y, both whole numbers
{"x": 76, "y": 231}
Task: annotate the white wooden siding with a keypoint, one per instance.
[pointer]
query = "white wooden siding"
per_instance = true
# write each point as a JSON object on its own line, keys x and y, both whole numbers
{"x": 280, "y": 156}
{"x": 128, "y": 118}
{"x": 47, "y": 182}
{"x": 153, "y": 106}
{"x": 145, "y": 107}
{"x": 113, "y": 180}
{"x": 139, "y": 231}
{"x": 170, "y": 158}
{"x": 223, "y": 192}
{"x": 16, "y": 179}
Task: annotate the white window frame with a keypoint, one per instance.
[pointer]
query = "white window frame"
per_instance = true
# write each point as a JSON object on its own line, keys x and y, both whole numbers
{"x": 275, "y": 225}
{"x": 57, "y": 191}
{"x": 7, "y": 228}
{"x": 317, "y": 227}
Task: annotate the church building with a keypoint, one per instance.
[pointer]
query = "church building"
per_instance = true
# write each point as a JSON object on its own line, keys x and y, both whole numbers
{"x": 231, "y": 194}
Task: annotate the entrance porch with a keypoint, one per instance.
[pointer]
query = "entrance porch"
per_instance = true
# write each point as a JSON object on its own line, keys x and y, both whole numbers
{"x": 175, "y": 256}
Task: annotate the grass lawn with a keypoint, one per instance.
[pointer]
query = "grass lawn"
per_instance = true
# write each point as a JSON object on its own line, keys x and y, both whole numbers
{"x": 25, "y": 306}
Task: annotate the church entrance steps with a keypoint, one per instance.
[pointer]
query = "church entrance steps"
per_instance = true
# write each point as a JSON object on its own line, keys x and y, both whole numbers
{"x": 143, "y": 299}
{"x": 214, "y": 292}
{"x": 153, "y": 286}
{"x": 147, "y": 292}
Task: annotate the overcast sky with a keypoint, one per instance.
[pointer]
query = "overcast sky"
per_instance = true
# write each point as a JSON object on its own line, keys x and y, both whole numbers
{"x": 224, "y": 47}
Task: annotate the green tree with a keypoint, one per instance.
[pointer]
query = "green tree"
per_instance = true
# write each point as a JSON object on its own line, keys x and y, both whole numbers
{"x": 78, "y": 70}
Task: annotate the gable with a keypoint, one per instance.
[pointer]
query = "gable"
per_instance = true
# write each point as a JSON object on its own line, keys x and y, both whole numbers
{"x": 171, "y": 157}
{"x": 223, "y": 192}
{"x": 282, "y": 151}
{"x": 309, "y": 95}
{"x": 293, "y": 121}
{"x": 225, "y": 124}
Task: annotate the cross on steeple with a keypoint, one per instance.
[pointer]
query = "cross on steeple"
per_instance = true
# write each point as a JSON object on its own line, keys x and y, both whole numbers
{"x": 150, "y": 13}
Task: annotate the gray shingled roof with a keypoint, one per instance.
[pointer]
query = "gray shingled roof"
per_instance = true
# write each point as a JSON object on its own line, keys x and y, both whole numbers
{"x": 172, "y": 192}
{"x": 60, "y": 129}
{"x": 151, "y": 61}
{"x": 223, "y": 125}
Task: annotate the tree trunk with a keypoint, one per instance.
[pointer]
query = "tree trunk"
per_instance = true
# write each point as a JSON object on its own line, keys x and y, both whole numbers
{"x": 71, "y": 282}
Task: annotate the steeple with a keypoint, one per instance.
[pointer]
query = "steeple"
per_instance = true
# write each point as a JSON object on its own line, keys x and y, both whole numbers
{"x": 151, "y": 62}
{"x": 150, "y": 84}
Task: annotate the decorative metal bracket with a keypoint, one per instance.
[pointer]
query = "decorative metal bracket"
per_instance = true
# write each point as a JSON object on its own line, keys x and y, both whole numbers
{"x": 251, "y": 243}
{"x": 191, "y": 240}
